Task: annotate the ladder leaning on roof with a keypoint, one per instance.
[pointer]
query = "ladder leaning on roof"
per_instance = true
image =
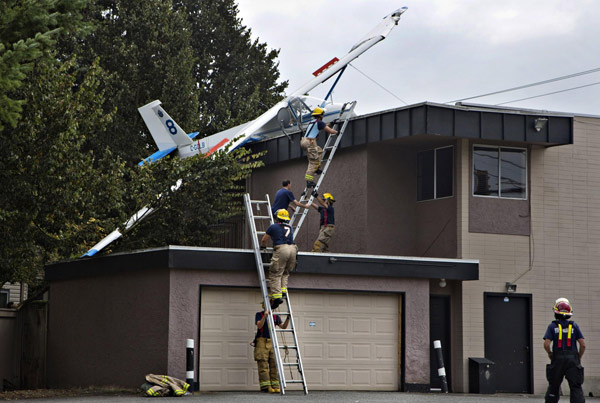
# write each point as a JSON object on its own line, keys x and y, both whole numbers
{"x": 329, "y": 149}
{"x": 265, "y": 218}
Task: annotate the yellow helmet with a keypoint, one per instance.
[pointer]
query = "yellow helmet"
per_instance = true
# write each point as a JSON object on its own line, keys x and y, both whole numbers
{"x": 283, "y": 214}
{"x": 318, "y": 111}
{"x": 328, "y": 196}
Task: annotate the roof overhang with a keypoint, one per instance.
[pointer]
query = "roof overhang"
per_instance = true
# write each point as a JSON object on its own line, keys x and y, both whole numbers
{"x": 197, "y": 258}
{"x": 476, "y": 122}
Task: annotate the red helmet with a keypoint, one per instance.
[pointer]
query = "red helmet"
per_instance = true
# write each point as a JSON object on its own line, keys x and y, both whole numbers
{"x": 563, "y": 307}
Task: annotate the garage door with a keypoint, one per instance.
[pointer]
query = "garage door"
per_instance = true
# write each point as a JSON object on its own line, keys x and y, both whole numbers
{"x": 348, "y": 341}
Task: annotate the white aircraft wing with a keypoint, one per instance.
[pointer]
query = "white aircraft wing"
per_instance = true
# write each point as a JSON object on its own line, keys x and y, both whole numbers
{"x": 377, "y": 34}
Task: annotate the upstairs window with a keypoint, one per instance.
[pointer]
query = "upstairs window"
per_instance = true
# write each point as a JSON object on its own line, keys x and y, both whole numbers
{"x": 435, "y": 173}
{"x": 500, "y": 172}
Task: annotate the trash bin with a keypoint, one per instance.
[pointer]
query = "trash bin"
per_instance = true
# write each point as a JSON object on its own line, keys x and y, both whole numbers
{"x": 482, "y": 377}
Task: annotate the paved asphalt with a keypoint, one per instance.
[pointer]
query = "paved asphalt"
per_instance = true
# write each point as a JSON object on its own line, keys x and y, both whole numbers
{"x": 318, "y": 396}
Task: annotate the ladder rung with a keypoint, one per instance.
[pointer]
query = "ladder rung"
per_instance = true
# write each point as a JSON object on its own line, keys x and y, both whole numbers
{"x": 292, "y": 347}
{"x": 266, "y": 264}
{"x": 260, "y": 232}
{"x": 290, "y": 364}
{"x": 284, "y": 330}
{"x": 258, "y": 201}
{"x": 294, "y": 381}
{"x": 262, "y": 217}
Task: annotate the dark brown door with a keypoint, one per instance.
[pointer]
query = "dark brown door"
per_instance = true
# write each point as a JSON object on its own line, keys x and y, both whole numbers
{"x": 507, "y": 324}
{"x": 439, "y": 329}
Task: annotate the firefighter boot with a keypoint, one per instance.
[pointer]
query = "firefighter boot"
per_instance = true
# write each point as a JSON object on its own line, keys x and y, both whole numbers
{"x": 318, "y": 246}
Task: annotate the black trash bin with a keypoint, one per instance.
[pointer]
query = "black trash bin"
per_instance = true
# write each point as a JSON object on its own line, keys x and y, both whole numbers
{"x": 482, "y": 376}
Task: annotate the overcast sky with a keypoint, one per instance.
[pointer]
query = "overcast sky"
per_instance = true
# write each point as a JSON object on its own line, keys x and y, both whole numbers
{"x": 441, "y": 50}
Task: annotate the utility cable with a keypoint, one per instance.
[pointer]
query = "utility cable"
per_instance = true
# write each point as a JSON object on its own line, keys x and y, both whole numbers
{"x": 548, "y": 93}
{"x": 381, "y": 86}
{"x": 551, "y": 80}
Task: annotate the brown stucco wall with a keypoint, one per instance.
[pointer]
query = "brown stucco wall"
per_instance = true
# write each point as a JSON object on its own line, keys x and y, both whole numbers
{"x": 112, "y": 330}
{"x": 345, "y": 180}
{"x": 391, "y": 199}
{"x": 109, "y": 330}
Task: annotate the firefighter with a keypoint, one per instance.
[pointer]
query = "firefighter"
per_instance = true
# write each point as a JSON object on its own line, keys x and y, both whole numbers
{"x": 565, "y": 358}
{"x": 263, "y": 351}
{"x": 284, "y": 198}
{"x": 327, "y": 221}
{"x": 284, "y": 256}
{"x": 314, "y": 153}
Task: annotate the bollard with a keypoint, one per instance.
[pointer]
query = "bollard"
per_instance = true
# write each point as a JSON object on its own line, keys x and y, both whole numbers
{"x": 189, "y": 364}
{"x": 437, "y": 345}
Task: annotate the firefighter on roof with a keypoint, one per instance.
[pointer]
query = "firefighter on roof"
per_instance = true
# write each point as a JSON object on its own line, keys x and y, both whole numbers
{"x": 565, "y": 358}
{"x": 314, "y": 153}
{"x": 327, "y": 222}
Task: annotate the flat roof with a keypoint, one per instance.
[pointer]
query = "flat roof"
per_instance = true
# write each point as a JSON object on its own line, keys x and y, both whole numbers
{"x": 200, "y": 258}
{"x": 476, "y": 122}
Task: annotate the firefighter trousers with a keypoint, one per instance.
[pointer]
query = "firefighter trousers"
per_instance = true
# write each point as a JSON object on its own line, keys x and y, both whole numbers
{"x": 314, "y": 153}
{"x": 282, "y": 262}
{"x": 322, "y": 242}
{"x": 564, "y": 366}
{"x": 265, "y": 360}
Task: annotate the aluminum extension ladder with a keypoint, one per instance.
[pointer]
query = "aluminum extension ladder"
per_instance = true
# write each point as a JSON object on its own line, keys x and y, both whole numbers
{"x": 259, "y": 216}
{"x": 331, "y": 146}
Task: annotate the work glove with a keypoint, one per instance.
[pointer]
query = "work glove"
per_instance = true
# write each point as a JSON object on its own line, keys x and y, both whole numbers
{"x": 315, "y": 194}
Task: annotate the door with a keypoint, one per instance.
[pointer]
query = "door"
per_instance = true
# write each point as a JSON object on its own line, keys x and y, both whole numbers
{"x": 439, "y": 329}
{"x": 349, "y": 341}
{"x": 507, "y": 327}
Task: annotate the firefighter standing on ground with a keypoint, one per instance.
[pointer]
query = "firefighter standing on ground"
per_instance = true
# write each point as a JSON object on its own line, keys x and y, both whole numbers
{"x": 284, "y": 256}
{"x": 314, "y": 153}
{"x": 564, "y": 334}
{"x": 327, "y": 221}
{"x": 263, "y": 352}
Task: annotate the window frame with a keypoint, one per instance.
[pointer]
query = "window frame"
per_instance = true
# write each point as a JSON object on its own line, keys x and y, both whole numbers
{"x": 499, "y": 148}
{"x": 435, "y": 149}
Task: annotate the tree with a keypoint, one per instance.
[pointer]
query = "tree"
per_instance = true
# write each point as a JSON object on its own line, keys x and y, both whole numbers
{"x": 210, "y": 192}
{"x": 60, "y": 194}
{"x": 236, "y": 77}
{"x": 27, "y": 31}
{"x": 145, "y": 46}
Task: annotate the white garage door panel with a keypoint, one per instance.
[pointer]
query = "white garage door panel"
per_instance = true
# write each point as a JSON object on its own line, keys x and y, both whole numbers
{"x": 347, "y": 341}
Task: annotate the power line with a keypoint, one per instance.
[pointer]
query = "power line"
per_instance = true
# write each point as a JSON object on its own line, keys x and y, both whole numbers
{"x": 385, "y": 89}
{"x": 551, "y": 80}
{"x": 548, "y": 93}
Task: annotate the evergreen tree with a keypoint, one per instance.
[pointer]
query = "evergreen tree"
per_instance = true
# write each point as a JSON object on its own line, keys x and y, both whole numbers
{"x": 145, "y": 46}
{"x": 27, "y": 31}
{"x": 57, "y": 195}
{"x": 236, "y": 77}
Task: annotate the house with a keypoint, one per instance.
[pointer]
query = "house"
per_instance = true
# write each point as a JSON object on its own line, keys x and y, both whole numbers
{"x": 455, "y": 223}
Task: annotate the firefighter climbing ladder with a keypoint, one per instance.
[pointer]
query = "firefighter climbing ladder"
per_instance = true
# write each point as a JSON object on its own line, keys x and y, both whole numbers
{"x": 263, "y": 216}
{"x": 329, "y": 149}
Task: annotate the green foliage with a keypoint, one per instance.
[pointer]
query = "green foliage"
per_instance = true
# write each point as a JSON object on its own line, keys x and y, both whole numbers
{"x": 27, "y": 31}
{"x": 210, "y": 191}
{"x": 236, "y": 77}
{"x": 60, "y": 195}
{"x": 145, "y": 45}
{"x": 72, "y": 134}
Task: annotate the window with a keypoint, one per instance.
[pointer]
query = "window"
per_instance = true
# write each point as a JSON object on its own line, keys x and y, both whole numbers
{"x": 500, "y": 172}
{"x": 435, "y": 173}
